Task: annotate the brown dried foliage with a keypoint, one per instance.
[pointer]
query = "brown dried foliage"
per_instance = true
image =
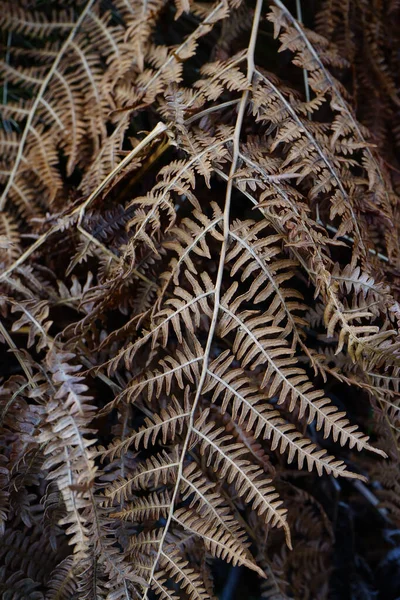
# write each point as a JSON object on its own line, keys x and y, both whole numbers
{"x": 199, "y": 242}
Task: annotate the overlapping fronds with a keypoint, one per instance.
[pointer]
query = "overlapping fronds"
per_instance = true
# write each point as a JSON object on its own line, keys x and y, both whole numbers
{"x": 199, "y": 267}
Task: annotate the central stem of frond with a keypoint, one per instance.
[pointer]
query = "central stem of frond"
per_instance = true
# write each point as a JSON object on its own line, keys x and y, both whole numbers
{"x": 219, "y": 277}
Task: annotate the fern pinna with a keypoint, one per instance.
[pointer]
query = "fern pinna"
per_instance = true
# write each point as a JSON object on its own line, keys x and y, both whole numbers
{"x": 199, "y": 247}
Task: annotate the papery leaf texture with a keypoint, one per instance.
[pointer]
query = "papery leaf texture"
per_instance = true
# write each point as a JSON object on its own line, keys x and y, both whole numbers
{"x": 200, "y": 276}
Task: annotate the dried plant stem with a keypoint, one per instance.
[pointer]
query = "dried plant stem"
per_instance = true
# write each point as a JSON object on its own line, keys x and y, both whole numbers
{"x": 79, "y": 211}
{"x": 217, "y": 288}
{"x": 38, "y": 99}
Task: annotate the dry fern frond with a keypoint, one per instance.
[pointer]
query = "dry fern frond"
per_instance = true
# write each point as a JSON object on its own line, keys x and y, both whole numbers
{"x": 199, "y": 269}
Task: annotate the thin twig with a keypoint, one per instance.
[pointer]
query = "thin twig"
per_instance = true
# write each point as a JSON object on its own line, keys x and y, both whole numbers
{"x": 79, "y": 211}
{"x": 217, "y": 289}
{"x": 305, "y": 74}
{"x": 38, "y": 99}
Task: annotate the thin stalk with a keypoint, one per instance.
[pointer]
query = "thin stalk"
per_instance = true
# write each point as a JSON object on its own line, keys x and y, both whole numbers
{"x": 217, "y": 288}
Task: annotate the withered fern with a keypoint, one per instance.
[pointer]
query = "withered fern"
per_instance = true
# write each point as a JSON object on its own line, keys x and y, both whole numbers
{"x": 199, "y": 237}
